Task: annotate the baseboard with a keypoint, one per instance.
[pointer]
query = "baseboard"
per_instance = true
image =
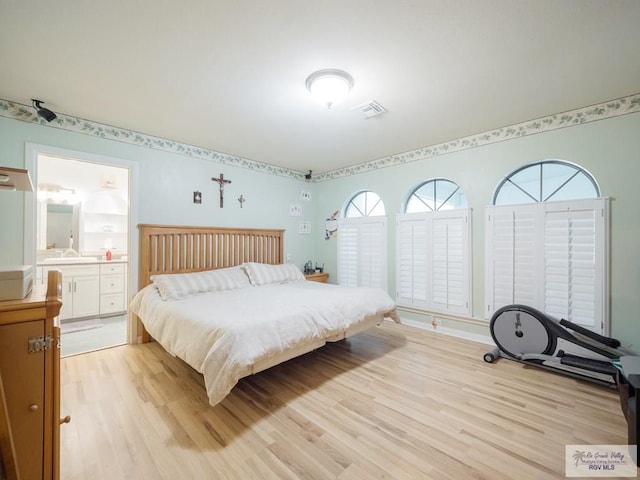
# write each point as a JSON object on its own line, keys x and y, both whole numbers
{"x": 452, "y": 332}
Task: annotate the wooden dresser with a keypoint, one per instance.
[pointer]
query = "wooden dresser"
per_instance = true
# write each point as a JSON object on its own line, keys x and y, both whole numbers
{"x": 30, "y": 383}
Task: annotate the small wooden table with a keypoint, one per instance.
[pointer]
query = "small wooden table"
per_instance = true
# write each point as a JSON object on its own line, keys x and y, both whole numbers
{"x": 321, "y": 277}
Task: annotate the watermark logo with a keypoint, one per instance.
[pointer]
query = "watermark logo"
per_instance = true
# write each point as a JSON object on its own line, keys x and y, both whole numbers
{"x": 601, "y": 461}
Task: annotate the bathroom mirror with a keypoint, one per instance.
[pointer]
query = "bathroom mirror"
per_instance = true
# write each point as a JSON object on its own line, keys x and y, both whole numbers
{"x": 56, "y": 224}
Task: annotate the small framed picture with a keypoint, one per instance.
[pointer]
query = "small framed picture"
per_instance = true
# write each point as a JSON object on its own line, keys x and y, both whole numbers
{"x": 304, "y": 227}
{"x": 197, "y": 197}
{"x": 295, "y": 210}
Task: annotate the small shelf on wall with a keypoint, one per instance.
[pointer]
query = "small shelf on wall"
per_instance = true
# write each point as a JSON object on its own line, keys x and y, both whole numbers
{"x": 100, "y": 229}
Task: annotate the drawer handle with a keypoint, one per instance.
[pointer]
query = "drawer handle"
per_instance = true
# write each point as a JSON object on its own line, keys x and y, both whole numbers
{"x": 33, "y": 408}
{"x": 66, "y": 419}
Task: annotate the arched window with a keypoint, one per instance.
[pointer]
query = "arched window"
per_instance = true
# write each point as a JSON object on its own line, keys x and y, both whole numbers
{"x": 364, "y": 204}
{"x": 546, "y": 181}
{"x": 546, "y": 244}
{"x": 433, "y": 252}
{"x": 362, "y": 242}
{"x": 436, "y": 195}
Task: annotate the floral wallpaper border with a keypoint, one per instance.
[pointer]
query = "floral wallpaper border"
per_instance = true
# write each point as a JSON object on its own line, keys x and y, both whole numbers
{"x": 601, "y": 111}
{"x": 26, "y": 113}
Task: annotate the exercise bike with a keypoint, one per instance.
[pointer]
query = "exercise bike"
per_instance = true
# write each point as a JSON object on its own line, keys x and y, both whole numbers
{"x": 525, "y": 334}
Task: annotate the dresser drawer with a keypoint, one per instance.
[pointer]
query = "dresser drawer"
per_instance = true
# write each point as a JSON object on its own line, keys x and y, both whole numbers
{"x": 111, "y": 303}
{"x": 107, "y": 268}
{"x": 111, "y": 283}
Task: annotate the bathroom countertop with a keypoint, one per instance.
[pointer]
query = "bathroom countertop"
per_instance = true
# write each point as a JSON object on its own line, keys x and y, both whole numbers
{"x": 52, "y": 261}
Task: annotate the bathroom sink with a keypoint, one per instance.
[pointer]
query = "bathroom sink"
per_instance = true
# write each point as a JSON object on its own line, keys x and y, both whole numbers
{"x": 66, "y": 260}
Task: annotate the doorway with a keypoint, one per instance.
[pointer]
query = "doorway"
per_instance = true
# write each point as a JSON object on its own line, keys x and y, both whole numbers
{"x": 82, "y": 229}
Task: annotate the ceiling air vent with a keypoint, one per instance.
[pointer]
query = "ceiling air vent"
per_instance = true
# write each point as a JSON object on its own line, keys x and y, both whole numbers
{"x": 370, "y": 109}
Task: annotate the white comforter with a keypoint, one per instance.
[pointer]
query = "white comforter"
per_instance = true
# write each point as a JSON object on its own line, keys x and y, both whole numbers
{"x": 227, "y": 335}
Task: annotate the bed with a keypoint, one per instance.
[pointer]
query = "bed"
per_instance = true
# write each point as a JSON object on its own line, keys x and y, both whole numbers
{"x": 222, "y": 301}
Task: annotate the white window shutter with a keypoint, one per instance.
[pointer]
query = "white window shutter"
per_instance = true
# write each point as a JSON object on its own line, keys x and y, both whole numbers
{"x": 347, "y": 254}
{"x": 411, "y": 260}
{"x": 433, "y": 261}
{"x": 575, "y": 251}
{"x": 450, "y": 265}
{"x": 512, "y": 256}
{"x": 362, "y": 252}
{"x": 551, "y": 256}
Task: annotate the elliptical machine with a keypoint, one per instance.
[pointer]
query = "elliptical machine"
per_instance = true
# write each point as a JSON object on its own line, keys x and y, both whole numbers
{"x": 525, "y": 334}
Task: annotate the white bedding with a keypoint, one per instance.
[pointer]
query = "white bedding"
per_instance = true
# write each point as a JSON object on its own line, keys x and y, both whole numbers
{"x": 230, "y": 334}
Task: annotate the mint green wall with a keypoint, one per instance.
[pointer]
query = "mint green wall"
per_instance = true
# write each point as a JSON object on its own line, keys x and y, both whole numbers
{"x": 166, "y": 182}
{"x": 609, "y": 149}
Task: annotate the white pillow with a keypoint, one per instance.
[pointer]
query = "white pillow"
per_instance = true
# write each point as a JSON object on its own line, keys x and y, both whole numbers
{"x": 265, "y": 274}
{"x": 176, "y": 286}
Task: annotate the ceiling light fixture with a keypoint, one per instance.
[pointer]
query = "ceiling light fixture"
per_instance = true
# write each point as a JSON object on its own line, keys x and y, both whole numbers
{"x": 52, "y": 193}
{"x": 45, "y": 113}
{"x": 330, "y": 86}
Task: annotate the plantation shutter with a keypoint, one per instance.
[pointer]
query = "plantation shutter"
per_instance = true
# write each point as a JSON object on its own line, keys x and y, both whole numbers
{"x": 450, "y": 264}
{"x": 512, "y": 256}
{"x": 411, "y": 260}
{"x": 362, "y": 252}
{"x": 433, "y": 261}
{"x": 551, "y": 256}
{"x": 575, "y": 253}
{"x": 347, "y": 254}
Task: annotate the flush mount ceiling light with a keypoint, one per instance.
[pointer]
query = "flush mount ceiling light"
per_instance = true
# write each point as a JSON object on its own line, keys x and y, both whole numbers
{"x": 45, "y": 113}
{"x": 330, "y": 86}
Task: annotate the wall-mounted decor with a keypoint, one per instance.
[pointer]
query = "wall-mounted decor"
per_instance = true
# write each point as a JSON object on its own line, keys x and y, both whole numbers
{"x": 331, "y": 226}
{"x": 304, "y": 227}
{"x": 197, "y": 197}
{"x": 241, "y": 199}
{"x": 221, "y": 181}
{"x": 305, "y": 195}
{"x": 295, "y": 210}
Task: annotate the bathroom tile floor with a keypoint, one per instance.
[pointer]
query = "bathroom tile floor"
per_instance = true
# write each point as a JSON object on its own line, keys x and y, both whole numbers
{"x": 113, "y": 332}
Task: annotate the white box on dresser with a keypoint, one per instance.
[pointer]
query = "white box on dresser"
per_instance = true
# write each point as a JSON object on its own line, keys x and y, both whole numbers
{"x": 16, "y": 282}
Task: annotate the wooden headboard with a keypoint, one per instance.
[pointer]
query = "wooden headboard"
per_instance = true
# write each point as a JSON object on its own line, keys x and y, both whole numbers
{"x": 184, "y": 249}
{"x": 181, "y": 249}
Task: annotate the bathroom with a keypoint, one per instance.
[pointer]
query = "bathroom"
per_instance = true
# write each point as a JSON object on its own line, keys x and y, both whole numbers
{"x": 82, "y": 229}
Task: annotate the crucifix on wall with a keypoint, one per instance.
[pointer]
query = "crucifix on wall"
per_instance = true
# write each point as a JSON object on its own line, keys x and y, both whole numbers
{"x": 221, "y": 181}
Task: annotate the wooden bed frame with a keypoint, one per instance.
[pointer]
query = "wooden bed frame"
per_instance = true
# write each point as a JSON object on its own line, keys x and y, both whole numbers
{"x": 184, "y": 249}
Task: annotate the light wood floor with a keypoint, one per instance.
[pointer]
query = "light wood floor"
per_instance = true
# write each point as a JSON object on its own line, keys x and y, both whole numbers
{"x": 394, "y": 403}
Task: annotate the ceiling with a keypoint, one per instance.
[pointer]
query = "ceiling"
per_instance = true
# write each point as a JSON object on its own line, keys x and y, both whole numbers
{"x": 230, "y": 75}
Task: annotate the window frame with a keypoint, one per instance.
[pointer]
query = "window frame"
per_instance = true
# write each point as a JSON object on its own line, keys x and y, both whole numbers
{"x": 551, "y": 255}
{"x": 578, "y": 170}
{"x": 368, "y": 211}
{"x": 435, "y": 182}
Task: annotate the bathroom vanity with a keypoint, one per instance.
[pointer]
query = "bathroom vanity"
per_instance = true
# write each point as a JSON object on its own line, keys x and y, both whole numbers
{"x": 90, "y": 288}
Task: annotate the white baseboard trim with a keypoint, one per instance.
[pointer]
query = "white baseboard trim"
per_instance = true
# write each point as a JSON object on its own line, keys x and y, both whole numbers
{"x": 452, "y": 332}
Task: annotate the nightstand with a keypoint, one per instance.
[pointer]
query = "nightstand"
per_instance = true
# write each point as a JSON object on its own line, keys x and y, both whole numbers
{"x": 317, "y": 277}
